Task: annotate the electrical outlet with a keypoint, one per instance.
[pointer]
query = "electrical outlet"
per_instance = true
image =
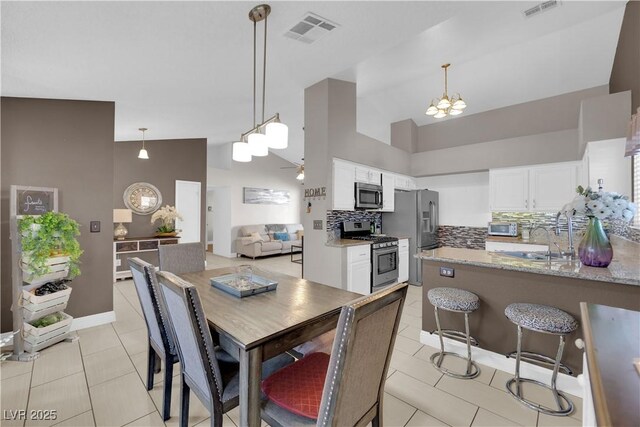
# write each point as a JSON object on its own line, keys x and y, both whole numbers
{"x": 447, "y": 272}
{"x": 94, "y": 226}
{"x": 317, "y": 224}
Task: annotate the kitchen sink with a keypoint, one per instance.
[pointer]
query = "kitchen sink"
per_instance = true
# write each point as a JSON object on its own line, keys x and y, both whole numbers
{"x": 532, "y": 256}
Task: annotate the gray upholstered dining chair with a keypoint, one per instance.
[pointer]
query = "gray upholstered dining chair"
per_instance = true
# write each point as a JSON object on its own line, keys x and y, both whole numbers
{"x": 182, "y": 258}
{"x": 215, "y": 382}
{"x": 355, "y": 372}
{"x": 161, "y": 343}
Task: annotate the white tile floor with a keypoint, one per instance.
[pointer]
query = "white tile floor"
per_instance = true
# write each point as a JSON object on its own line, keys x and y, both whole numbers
{"x": 99, "y": 379}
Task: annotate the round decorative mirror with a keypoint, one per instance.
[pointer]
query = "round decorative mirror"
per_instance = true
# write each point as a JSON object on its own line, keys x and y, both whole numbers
{"x": 142, "y": 198}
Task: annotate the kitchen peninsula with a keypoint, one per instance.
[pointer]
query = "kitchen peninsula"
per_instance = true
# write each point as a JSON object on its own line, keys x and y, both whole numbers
{"x": 500, "y": 280}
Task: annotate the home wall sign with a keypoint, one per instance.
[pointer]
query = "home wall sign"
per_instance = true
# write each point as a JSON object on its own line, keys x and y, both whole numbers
{"x": 313, "y": 193}
{"x": 142, "y": 198}
{"x": 34, "y": 200}
{"x": 265, "y": 196}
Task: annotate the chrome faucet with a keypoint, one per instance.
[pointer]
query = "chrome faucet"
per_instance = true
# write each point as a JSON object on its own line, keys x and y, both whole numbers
{"x": 548, "y": 254}
{"x": 570, "y": 253}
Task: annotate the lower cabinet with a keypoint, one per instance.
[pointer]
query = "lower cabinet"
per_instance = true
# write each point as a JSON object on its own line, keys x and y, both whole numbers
{"x": 403, "y": 260}
{"x": 358, "y": 271}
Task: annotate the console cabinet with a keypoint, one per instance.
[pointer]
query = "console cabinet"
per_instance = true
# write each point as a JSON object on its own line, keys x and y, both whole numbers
{"x": 142, "y": 247}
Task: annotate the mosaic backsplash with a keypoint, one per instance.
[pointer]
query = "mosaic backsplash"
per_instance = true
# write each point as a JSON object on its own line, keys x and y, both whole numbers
{"x": 548, "y": 220}
{"x": 335, "y": 218}
{"x": 462, "y": 237}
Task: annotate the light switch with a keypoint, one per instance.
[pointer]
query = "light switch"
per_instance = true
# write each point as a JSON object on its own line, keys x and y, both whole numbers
{"x": 94, "y": 226}
{"x": 317, "y": 224}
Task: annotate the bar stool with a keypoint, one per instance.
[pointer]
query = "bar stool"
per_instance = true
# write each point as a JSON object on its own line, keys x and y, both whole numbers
{"x": 548, "y": 320}
{"x": 458, "y": 301}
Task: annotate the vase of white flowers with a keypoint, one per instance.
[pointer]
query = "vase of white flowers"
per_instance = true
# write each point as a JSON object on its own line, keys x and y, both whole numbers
{"x": 168, "y": 215}
{"x": 595, "y": 248}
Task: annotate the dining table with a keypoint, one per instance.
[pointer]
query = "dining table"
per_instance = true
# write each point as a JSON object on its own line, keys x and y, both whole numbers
{"x": 261, "y": 326}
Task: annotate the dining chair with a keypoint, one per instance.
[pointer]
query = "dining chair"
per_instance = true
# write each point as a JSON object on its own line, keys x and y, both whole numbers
{"x": 215, "y": 382}
{"x": 182, "y": 258}
{"x": 161, "y": 342}
{"x": 347, "y": 387}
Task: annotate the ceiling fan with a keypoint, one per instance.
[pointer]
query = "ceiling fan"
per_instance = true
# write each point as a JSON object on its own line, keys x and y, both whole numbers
{"x": 299, "y": 167}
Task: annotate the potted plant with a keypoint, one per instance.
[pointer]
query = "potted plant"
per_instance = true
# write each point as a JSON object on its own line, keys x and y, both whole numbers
{"x": 50, "y": 250}
{"x": 595, "y": 249}
{"x": 167, "y": 215}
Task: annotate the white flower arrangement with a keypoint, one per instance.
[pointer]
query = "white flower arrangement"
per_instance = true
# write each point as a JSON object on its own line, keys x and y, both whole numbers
{"x": 168, "y": 215}
{"x": 601, "y": 204}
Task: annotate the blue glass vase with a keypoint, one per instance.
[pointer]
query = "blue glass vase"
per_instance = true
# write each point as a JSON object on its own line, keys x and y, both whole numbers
{"x": 595, "y": 248}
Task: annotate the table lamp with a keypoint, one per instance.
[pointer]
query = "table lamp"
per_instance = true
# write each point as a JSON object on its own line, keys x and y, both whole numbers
{"x": 121, "y": 216}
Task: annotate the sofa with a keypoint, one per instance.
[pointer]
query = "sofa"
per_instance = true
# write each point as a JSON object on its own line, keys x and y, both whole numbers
{"x": 260, "y": 240}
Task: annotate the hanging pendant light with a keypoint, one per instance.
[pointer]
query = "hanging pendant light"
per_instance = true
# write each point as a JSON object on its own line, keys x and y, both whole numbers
{"x": 446, "y": 106}
{"x": 143, "y": 151}
{"x": 269, "y": 133}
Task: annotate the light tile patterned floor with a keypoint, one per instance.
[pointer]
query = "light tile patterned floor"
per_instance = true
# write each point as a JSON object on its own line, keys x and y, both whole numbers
{"x": 99, "y": 379}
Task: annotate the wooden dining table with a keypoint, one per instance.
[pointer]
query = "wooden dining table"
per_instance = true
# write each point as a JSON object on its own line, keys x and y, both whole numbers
{"x": 261, "y": 326}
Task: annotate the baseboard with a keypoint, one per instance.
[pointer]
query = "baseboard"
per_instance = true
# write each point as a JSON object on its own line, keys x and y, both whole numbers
{"x": 566, "y": 383}
{"x": 93, "y": 320}
{"x": 83, "y": 322}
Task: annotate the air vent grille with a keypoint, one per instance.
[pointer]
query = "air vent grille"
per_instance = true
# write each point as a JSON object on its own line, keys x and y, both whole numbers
{"x": 541, "y": 7}
{"x": 310, "y": 28}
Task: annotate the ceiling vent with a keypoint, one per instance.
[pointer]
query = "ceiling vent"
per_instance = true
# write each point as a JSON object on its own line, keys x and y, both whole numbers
{"x": 542, "y": 7}
{"x": 311, "y": 28}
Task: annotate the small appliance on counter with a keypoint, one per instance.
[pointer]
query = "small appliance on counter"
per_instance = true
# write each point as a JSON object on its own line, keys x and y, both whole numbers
{"x": 509, "y": 229}
{"x": 368, "y": 196}
{"x": 384, "y": 252}
{"x": 415, "y": 216}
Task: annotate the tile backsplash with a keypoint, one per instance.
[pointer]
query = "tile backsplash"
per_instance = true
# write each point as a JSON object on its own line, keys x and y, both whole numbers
{"x": 335, "y": 218}
{"x": 461, "y": 237}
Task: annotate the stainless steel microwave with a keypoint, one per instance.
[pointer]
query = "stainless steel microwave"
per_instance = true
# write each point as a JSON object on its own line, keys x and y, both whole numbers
{"x": 368, "y": 196}
{"x": 503, "y": 229}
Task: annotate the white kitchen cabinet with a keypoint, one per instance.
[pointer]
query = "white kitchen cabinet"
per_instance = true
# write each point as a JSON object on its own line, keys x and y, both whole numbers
{"x": 513, "y": 247}
{"x": 543, "y": 188}
{"x": 343, "y": 186}
{"x": 509, "y": 189}
{"x": 405, "y": 183}
{"x": 403, "y": 260}
{"x": 367, "y": 175}
{"x": 551, "y": 187}
{"x": 388, "y": 192}
{"x": 359, "y": 269}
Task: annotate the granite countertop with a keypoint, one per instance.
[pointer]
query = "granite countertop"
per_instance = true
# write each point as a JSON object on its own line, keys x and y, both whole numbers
{"x": 343, "y": 243}
{"x": 624, "y": 269}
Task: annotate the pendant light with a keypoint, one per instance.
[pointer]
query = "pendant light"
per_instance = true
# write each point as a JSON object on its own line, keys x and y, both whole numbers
{"x": 269, "y": 133}
{"x": 143, "y": 151}
{"x": 446, "y": 106}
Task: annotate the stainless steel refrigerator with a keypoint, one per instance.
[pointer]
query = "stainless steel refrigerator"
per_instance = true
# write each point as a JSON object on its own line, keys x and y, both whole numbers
{"x": 415, "y": 216}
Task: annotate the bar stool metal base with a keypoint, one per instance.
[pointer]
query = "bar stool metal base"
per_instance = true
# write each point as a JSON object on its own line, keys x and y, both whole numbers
{"x": 457, "y": 335}
{"x": 540, "y": 359}
{"x": 564, "y": 404}
{"x": 472, "y": 369}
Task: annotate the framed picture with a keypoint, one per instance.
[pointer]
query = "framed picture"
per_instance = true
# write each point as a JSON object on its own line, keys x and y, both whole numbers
{"x": 265, "y": 196}
{"x": 26, "y": 200}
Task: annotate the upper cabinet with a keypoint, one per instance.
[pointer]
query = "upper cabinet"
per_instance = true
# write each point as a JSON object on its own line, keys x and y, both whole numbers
{"x": 543, "y": 188}
{"x": 388, "y": 192}
{"x": 343, "y": 187}
{"x": 346, "y": 174}
{"x": 367, "y": 175}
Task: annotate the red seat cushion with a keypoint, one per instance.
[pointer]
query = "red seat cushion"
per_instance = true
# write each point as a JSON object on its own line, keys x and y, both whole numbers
{"x": 298, "y": 387}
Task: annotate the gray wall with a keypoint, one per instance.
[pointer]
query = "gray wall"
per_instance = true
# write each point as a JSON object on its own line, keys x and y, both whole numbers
{"x": 404, "y": 135}
{"x": 68, "y": 145}
{"x": 169, "y": 160}
{"x": 531, "y": 118}
{"x": 625, "y": 74}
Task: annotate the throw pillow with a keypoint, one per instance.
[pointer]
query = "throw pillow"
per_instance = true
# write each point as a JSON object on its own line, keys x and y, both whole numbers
{"x": 256, "y": 237}
{"x": 298, "y": 387}
{"x": 284, "y": 237}
{"x": 300, "y": 234}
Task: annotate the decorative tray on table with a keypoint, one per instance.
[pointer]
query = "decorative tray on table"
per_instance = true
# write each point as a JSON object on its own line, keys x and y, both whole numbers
{"x": 239, "y": 286}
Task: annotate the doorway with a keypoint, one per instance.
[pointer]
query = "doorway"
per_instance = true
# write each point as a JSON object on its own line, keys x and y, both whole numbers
{"x": 188, "y": 203}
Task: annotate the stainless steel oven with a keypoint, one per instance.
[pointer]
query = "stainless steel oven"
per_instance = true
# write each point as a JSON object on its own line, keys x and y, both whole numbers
{"x": 368, "y": 196}
{"x": 384, "y": 263}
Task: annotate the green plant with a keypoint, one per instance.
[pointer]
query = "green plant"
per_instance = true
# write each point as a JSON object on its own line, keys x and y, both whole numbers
{"x": 47, "y": 235}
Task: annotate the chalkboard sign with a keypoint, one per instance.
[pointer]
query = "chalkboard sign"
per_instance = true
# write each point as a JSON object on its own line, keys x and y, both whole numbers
{"x": 33, "y": 200}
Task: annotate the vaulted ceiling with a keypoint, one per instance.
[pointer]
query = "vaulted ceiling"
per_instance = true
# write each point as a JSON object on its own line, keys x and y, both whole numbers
{"x": 185, "y": 69}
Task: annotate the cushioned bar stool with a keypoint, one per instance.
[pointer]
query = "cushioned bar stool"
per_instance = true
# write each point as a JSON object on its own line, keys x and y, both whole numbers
{"x": 548, "y": 320}
{"x": 458, "y": 301}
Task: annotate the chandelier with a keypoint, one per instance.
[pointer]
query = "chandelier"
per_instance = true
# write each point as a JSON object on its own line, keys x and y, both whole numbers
{"x": 268, "y": 133}
{"x": 446, "y": 106}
